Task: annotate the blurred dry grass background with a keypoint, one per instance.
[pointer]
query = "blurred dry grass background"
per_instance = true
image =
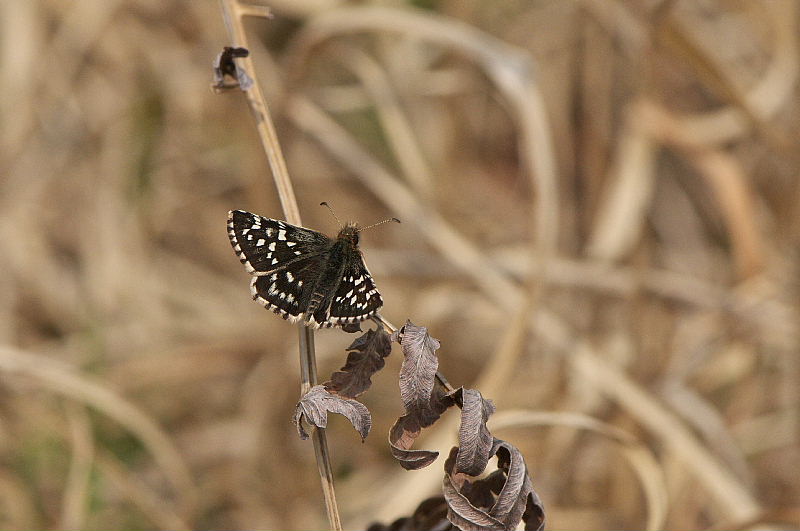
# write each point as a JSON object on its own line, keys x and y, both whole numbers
{"x": 634, "y": 163}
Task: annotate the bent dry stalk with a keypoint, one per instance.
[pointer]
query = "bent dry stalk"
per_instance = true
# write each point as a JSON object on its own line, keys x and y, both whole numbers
{"x": 233, "y": 13}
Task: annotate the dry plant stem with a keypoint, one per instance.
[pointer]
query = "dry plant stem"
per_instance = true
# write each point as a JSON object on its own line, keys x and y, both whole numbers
{"x": 73, "y": 512}
{"x": 234, "y": 13}
{"x": 308, "y": 368}
{"x": 724, "y": 176}
{"x": 398, "y": 128}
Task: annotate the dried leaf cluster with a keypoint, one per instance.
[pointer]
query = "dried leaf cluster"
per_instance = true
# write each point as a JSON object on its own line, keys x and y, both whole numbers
{"x": 498, "y": 501}
{"x": 227, "y": 74}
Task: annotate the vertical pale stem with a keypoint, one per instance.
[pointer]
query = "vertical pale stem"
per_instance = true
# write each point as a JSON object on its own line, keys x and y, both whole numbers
{"x": 234, "y": 12}
{"x": 308, "y": 370}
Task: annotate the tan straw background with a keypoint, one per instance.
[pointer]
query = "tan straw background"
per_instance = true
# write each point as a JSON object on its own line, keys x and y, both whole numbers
{"x": 600, "y": 207}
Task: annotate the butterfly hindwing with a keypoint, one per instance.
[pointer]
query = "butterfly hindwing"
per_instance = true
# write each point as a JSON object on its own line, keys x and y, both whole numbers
{"x": 356, "y": 297}
{"x": 288, "y": 290}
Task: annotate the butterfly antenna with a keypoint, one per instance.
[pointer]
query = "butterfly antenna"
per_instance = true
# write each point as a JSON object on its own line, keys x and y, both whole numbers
{"x": 380, "y": 223}
{"x": 326, "y": 205}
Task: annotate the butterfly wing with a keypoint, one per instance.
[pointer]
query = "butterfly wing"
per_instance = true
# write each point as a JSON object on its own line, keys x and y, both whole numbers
{"x": 287, "y": 291}
{"x": 285, "y": 260}
{"x": 356, "y": 297}
{"x": 265, "y": 244}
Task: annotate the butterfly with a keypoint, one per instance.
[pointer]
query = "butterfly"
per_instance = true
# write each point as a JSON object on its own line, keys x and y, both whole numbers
{"x": 302, "y": 274}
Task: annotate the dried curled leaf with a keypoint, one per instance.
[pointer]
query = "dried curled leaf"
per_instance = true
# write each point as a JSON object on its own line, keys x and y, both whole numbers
{"x": 402, "y": 437}
{"x": 407, "y": 429}
{"x": 474, "y": 439}
{"x": 351, "y": 328}
{"x": 424, "y": 403}
{"x": 224, "y": 65}
{"x": 364, "y": 359}
{"x": 499, "y": 501}
{"x": 418, "y": 373}
{"x": 315, "y": 405}
{"x": 430, "y": 514}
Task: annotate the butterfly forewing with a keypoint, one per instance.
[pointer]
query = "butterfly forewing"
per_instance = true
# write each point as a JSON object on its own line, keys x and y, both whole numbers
{"x": 265, "y": 244}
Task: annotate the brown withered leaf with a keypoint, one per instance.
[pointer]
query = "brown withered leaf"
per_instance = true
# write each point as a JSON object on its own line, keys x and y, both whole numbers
{"x": 224, "y": 65}
{"x": 517, "y": 498}
{"x": 474, "y": 439}
{"x": 401, "y": 437}
{"x": 315, "y": 405}
{"x": 497, "y": 502}
{"x": 424, "y": 402}
{"x": 364, "y": 359}
{"x": 407, "y": 429}
{"x": 482, "y": 493}
{"x": 430, "y": 514}
{"x": 418, "y": 372}
{"x": 351, "y": 328}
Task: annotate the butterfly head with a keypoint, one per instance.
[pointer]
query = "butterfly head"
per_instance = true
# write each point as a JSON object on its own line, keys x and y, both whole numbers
{"x": 350, "y": 229}
{"x": 349, "y": 233}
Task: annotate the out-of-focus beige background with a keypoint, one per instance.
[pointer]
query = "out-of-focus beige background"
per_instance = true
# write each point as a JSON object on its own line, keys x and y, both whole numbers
{"x": 600, "y": 224}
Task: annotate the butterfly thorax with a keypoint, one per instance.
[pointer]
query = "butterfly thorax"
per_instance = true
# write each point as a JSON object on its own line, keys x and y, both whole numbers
{"x": 342, "y": 252}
